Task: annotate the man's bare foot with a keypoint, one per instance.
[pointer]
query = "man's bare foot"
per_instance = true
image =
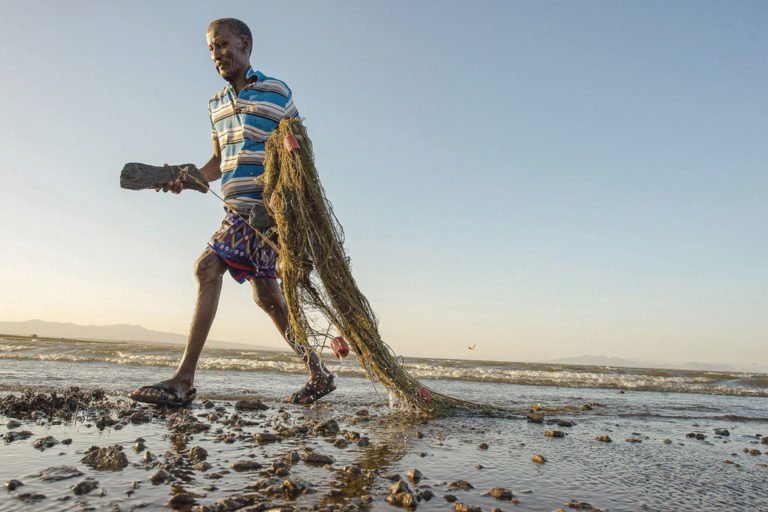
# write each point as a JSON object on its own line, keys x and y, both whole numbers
{"x": 315, "y": 389}
{"x": 168, "y": 392}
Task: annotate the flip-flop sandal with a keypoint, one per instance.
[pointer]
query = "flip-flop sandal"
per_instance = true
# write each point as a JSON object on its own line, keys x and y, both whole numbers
{"x": 170, "y": 396}
{"x": 308, "y": 394}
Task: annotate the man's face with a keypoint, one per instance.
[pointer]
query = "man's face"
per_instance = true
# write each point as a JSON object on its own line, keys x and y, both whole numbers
{"x": 229, "y": 51}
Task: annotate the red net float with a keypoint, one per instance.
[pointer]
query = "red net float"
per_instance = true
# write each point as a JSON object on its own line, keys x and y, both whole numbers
{"x": 291, "y": 143}
{"x": 424, "y": 394}
{"x": 340, "y": 347}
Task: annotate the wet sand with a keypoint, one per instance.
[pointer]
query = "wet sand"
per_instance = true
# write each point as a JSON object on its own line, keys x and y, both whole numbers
{"x": 86, "y": 450}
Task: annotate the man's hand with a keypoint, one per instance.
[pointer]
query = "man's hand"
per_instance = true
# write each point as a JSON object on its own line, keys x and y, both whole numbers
{"x": 175, "y": 186}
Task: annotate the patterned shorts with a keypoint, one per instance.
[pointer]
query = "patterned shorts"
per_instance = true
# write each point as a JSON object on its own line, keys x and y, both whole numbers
{"x": 244, "y": 252}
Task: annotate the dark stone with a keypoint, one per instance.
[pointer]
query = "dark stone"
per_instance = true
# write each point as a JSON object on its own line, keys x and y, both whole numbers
{"x": 181, "y": 500}
{"x": 13, "y": 424}
{"x": 56, "y": 473}
{"x": 10, "y": 437}
{"x": 250, "y": 405}
{"x": 197, "y": 454}
{"x": 722, "y": 432}
{"x": 501, "y": 493}
{"x": 399, "y": 487}
{"x": 565, "y": 423}
{"x": 12, "y": 485}
{"x": 450, "y": 498}
{"x": 554, "y": 433}
{"x": 461, "y": 484}
{"x": 110, "y": 458}
{"x": 45, "y": 442}
{"x": 483, "y": 446}
{"x": 604, "y": 438}
{"x": 264, "y": 437}
{"x": 414, "y": 475}
{"x": 85, "y": 486}
{"x": 246, "y": 465}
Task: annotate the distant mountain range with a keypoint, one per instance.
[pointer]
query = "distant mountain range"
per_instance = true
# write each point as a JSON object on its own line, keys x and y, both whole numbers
{"x": 587, "y": 360}
{"x": 116, "y": 332}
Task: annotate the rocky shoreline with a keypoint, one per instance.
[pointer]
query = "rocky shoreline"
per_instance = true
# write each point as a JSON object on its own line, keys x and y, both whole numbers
{"x": 84, "y": 450}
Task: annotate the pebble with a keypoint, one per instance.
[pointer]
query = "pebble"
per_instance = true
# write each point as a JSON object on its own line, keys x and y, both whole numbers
{"x": 722, "y": 432}
{"x": 633, "y": 440}
{"x": 197, "y": 454}
{"x": 463, "y": 507}
{"x": 109, "y": 458}
{"x": 10, "y": 437}
{"x": 450, "y": 498}
{"x": 565, "y": 423}
{"x": 12, "y": 485}
{"x": 399, "y": 487}
{"x": 501, "y": 493}
{"x": 604, "y": 438}
{"x": 250, "y": 405}
{"x": 160, "y": 476}
{"x": 13, "y": 424}
{"x": 764, "y": 440}
{"x": 483, "y": 446}
{"x": 403, "y": 499}
{"x": 265, "y": 437}
{"x": 246, "y": 465}
{"x": 292, "y": 457}
{"x": 45, "y": 442}
{"x": 56, "y": 473}
{"x": 414, "y": 475}
{"x": 539, "y": 459}
{"x": 667, "y": 441}
{"x": 461, "y": 484}
{"x": 85, "y": 486}
{"x": 181, "y": 500}
{"x": 554, "y": 433}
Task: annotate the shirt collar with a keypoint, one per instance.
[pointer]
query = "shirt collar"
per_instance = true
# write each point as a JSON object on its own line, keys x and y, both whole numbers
{"x": 251, "y": 77}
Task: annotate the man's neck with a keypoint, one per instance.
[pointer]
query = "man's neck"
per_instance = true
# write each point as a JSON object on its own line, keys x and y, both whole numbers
{"x": 238, "y": 84}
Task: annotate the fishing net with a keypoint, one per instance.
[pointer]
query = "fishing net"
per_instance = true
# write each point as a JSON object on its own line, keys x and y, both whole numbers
{"x": 316, "y": 275}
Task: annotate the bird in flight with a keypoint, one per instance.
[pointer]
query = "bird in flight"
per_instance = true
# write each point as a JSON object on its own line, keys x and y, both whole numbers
{"x": 472, "y": 347}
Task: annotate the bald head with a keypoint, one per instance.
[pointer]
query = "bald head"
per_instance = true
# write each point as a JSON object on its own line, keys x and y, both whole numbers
{"x": 237, "y": 27}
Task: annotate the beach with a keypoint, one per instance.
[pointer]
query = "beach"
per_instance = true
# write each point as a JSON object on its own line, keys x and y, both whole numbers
{"x": 597, "y": 439}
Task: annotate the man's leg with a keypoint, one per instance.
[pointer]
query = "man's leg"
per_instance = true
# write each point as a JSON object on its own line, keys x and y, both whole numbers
{"x": 269, "y": 297}
{"x": 208, "y": 270}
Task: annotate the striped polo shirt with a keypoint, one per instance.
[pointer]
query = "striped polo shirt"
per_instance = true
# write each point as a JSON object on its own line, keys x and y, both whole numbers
{"x": 242, "y": 123}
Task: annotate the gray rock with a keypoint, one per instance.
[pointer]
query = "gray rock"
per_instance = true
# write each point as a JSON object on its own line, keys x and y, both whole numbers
{"x": 45, "y": 442}
{"x": 250, "y": 405}
{"x": 12, "y": 485}
{"x": 160, "y": 476}
{"x": 85, "y": 486}
{"x": 265, "y": 437}
{"x": 311, "y": 457}
{"x": 197, "y": 454}
{"x": 461, "y": 484}
{"x": 56, "y": 473}
{"x": 246, "y": 465}
{"x": 10, "y": 437}
{"x": 13, "y": 424}
{"x": 501, "y": 493}
{"x": 110, "y": 458}
{"x": 414, "y": 475}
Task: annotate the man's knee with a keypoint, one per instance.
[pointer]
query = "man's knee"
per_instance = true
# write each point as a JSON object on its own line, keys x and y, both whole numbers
{"x": 208, "y": 268}
{"x": 267, "y": 294}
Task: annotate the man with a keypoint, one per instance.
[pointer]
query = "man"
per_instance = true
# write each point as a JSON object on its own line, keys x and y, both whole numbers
{"x": 243, "y": 114}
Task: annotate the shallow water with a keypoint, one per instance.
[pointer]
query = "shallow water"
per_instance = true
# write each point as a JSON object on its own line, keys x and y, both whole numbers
{"x": 687, "y": 474}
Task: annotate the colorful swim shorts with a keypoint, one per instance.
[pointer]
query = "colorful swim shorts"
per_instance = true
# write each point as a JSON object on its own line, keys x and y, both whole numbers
{"x": 244, "y": 252}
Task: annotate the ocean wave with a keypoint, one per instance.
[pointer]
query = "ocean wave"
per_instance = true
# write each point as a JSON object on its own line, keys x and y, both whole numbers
{"x": 534, "y": 374}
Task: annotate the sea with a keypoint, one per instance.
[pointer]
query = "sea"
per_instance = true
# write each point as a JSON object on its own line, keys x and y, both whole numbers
{"x": 654, "y": 462}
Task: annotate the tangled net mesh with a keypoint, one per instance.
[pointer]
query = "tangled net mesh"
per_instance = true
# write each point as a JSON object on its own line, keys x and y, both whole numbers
{"x": 316, "y": 276}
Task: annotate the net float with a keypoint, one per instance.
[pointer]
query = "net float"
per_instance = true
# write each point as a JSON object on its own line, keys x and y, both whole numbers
{"x": 340, "y": 347}
{"x": 424, "y": 394}
{"x": 291, "y": 143}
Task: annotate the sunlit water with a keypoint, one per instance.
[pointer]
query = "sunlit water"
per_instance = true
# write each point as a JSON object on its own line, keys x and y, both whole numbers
{"x": 686, "y": 474}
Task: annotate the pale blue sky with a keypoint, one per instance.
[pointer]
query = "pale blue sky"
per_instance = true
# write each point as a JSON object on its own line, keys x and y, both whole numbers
{"x": 544, "y": 179}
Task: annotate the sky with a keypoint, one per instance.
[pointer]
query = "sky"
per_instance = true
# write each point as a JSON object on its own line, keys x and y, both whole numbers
{"x": 541, "y": 179}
